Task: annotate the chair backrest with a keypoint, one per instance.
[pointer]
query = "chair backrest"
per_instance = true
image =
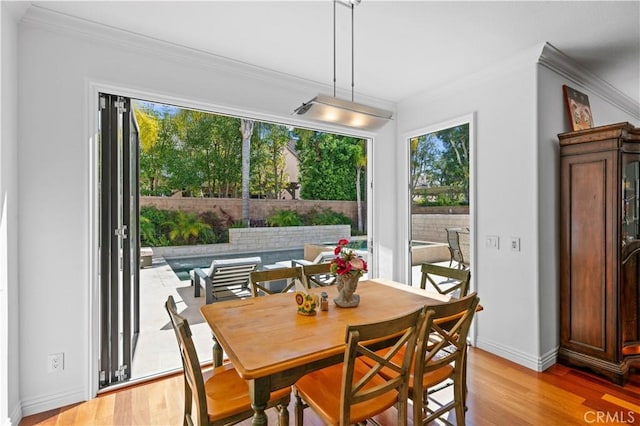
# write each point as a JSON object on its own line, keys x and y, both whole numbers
{"x": 324, "y": 257}
{"x": 456, "y": 281}
{"x": 318, "y": 275}
{"x": 194, "y": 382}
{"x": 272, "y": 281}
{"x": 233, "y": 272}
{"x": 403, "y": 331}
{"x": 453, "y": 238}
{"x": 443, "y": 346}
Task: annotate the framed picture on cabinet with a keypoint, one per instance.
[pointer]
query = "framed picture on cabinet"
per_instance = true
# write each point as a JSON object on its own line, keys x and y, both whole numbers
{"x": 578, "y": 108}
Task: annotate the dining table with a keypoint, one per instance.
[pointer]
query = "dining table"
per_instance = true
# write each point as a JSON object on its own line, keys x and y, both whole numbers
{"x": 272, "y": 346}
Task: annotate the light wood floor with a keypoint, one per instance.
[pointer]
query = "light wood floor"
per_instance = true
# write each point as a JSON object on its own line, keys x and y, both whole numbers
{"x": 500, "y": 393}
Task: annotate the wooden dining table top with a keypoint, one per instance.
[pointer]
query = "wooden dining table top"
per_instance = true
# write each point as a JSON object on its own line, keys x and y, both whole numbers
{"x": 264, "y": 336}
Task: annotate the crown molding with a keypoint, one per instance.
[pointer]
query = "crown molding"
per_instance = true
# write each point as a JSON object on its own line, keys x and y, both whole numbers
{"x": 40, "y": 17}
{"x": 567, "y": 67}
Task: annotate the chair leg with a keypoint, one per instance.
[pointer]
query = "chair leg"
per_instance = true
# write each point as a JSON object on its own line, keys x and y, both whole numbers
{"x": 283, "y": 415}
{"x": 187, "y": 421}
{"x": 459, "y": 393}
{"x": 299, "y": 410}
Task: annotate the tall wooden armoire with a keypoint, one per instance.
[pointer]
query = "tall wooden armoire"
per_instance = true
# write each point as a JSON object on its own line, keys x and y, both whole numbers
{"x": 600, "y": 249}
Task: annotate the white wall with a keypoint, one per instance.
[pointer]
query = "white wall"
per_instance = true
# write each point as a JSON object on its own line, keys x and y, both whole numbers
{"x": 60, "y": 64}
{"x": 519, "y": 113}
{"x": 9, "y": 325}
{"x": 503, "y": 99}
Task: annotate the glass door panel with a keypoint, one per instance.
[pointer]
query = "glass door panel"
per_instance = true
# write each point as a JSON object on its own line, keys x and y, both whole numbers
{"x": 439, "y": 199}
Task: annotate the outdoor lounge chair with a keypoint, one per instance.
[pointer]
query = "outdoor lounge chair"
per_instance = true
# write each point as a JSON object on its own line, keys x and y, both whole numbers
{"x": 224, "y": 275}
{"x": 323, "y": 257}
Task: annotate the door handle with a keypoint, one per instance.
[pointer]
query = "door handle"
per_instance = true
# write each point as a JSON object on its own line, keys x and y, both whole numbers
{"x": 121, "y": 232}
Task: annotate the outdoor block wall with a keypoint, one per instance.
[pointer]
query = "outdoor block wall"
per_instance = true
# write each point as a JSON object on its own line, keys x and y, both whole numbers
{"x": 431, "y": 227}
{"x": 247, "y": 240}
{"x": 286, "y": 237}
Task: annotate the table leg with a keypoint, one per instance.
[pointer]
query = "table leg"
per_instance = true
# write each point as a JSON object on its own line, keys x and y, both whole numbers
{"x": 259, "y": 392}
{"x": 217, "y": 352}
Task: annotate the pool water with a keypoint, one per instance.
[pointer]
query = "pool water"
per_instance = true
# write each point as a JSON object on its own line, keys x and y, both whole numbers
{"x": 182, "y": 265}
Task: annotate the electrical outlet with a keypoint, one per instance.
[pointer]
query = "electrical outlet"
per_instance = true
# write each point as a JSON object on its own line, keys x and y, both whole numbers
{"x": 55, "y": 362}
{"x": 515, "y": 244}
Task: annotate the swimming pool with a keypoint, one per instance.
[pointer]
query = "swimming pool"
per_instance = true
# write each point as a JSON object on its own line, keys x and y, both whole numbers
{"x": 182, "y": 265}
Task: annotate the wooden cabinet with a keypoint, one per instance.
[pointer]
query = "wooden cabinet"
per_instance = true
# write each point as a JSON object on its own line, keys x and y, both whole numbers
{"x": 600, "y": 249}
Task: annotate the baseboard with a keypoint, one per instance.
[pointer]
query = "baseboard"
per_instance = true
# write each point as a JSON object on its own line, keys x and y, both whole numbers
{"x": 51, "y": 401}
{"x": 526, "y": 360}
{"x": 15, "y": 416}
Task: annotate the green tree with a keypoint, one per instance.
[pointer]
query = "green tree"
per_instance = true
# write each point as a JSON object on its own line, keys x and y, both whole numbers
{"x": 268, "y": 176}
{"x": 361, "y": 165}
{"x": 455, "y": 158}
{"x": 209, "y": 157}
{"x": 157, "y": 152}
{"x": 328, "y": 165}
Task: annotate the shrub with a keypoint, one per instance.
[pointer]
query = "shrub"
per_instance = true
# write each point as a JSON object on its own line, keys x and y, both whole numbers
{"x": 285, "y": 218}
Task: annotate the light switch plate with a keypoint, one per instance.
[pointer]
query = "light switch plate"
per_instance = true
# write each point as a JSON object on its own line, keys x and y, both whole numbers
{"x": 492, "y": 242}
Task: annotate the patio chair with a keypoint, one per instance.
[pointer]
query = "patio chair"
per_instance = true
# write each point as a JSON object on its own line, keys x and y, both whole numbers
{"x": 453, "y": 238}
{"x": 224, "y": 275}
{"x": 323, "y": 257}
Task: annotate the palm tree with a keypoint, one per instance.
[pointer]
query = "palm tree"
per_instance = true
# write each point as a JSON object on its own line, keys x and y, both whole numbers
{"x": 361, "y": 163}
{"x": 246, "y": 128}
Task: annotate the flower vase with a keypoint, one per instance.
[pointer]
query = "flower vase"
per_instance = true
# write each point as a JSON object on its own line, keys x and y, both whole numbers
{"x": 347, "y": 285}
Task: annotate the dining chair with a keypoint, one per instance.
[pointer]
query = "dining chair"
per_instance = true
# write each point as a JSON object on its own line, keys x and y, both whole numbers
{"x": 442, "y": 358}
{"x": 318, "y": 275}
{"x": 455, "y": 282}
{"x": 273, "y": 281}
{"x": 221, "y": 396}
{"x": 353, "y": 391}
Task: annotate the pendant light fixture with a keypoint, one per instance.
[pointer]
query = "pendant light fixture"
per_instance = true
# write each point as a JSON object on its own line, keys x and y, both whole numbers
{"x": 330, "y": 109}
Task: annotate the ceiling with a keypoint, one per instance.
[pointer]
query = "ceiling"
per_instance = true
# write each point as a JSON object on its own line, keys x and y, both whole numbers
{"x": 401, "y": 47}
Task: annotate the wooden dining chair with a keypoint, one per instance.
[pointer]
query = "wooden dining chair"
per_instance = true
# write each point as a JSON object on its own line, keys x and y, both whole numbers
{"x": 363, "y": 392}
{"x": 221, "y": 396}
{"x": 273, "y": 281}
{"x": 446, "y": 281}
{"x": 318, "y": 275}
{"x": 440, "y": 360}
{"x": 442, "y": 356}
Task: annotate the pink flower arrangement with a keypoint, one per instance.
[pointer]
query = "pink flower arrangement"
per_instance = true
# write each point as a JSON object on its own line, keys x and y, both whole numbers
{"x": 346, "y": 261}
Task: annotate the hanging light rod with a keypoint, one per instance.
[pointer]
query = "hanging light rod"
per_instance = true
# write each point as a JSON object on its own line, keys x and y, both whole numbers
{"x": 330, "y": 109}
{"x": 349, "y": 3}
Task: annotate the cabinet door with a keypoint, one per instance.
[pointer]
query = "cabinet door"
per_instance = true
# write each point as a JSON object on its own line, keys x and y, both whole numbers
{"x": 630, "y": 250}
{"x": 588, "y": 297}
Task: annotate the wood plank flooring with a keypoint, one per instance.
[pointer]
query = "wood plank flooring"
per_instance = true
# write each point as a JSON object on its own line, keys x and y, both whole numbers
{"x": 500, "y": 393}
